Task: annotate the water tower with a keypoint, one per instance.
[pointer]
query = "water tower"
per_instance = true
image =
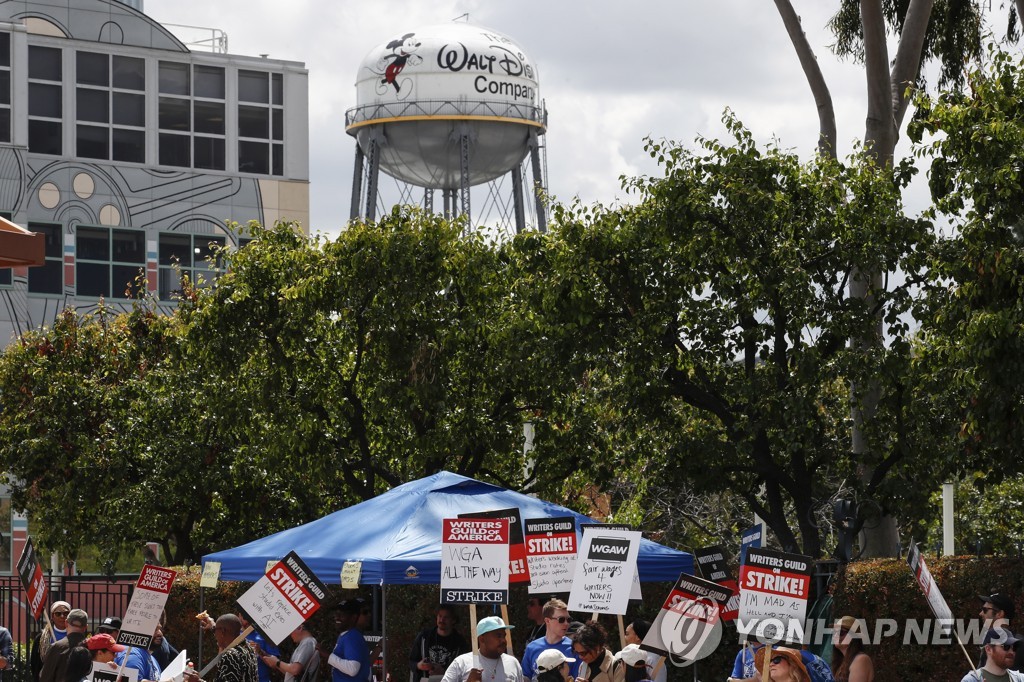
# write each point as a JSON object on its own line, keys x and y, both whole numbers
{"x": 450, "y": 107}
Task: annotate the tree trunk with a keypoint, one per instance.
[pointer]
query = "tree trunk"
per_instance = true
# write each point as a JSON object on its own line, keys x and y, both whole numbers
{"x": 887, "y": 105}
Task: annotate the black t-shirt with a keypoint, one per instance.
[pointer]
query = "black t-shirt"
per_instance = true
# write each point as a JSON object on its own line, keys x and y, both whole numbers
{"x": 438, "y": 649}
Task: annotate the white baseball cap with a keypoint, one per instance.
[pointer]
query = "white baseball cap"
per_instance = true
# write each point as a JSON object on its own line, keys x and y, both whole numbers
{"x": 550, "y": 659}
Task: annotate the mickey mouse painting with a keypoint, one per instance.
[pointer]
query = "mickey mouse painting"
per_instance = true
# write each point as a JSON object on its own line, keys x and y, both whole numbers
{"x": 402, "y": 52}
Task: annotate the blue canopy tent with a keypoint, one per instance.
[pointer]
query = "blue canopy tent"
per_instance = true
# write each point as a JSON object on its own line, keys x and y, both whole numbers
{"x": 397, "y": 535}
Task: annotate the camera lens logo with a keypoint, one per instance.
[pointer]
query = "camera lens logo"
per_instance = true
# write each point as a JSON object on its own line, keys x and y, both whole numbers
{"x": 691, "y": 630}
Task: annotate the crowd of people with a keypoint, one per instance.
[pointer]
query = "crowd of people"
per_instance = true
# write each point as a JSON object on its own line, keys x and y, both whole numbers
{"x": 558, "y": 649}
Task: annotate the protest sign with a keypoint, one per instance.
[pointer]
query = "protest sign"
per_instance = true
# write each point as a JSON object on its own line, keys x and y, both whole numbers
{"x": 751, "y": 537}
{"x": 147, "y": 604}
{"x": 774, "y": 589}
{"x": 712, "y": 565}
{"x": 688, "y": 625}
{"x": 551, "y": 553}
{"x": 102, "y": 672}
{"x": 284, "y": 598}
{"x": 934, "y": 597}
{"x": 605, "y": 570}
{"x": 32, "y": 578}
{"x": 634, "y": 590}
{"x": 519, "y": 569}
{"x": 211, "y": 572}
{"x": 175, "y": 670}
{"x": 474, "y": 561}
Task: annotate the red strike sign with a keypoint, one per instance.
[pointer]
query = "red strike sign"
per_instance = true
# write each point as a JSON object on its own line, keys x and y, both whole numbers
{"x": 288, "y": 585}
{"x": 781, "y": 583}
{"x": 481, "y": 531}
{"x": 156, "y": 579}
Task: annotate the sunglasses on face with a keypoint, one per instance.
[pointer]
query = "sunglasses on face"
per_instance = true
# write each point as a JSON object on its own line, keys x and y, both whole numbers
{"x": 1007, "y": 647}
{"x": 779, "y": 659}
{"x": 61, "y": 614}
{"x": 562, "y": 619}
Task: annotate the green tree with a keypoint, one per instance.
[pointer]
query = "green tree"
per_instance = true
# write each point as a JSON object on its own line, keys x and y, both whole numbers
{"x": 712, "y": 317}
{"x": 972, "y": 318}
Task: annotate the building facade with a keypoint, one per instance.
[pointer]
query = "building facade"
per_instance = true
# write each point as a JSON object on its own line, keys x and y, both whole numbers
{"x": 132, "y": 154}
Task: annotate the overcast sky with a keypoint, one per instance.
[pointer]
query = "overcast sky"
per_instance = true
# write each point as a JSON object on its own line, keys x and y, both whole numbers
{"x": 611, "y": 72}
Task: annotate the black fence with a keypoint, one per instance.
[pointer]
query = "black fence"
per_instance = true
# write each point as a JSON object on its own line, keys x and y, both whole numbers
{"x": 99, "y": 596}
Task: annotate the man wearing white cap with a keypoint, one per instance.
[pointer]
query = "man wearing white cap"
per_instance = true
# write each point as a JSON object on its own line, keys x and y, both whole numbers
{"x": 491, "y": 664}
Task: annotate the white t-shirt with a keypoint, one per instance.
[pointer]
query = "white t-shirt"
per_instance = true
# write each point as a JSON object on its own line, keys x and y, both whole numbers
{"x": 505, "y": 669}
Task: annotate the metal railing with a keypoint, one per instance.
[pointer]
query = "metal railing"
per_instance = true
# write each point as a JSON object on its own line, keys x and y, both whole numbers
{"x": 443, "y": 108}
{"x": 99, "y": 596}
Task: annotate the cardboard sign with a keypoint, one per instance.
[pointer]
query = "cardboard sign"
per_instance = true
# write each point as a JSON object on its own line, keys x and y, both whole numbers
{"x": 350, "y": 571}
{"x": 147, "y": 604}
{"x": 774, "y": 589}
{"x": 605, "y": 570}
{"x": 102, "y": 672}
{"x": 732, "y": 607}
{"x": 936, "y": 602}
{"x": 175, "y": 670}
{"x": 751, "y": 537}
{"x": 211, "y": 572}
{"x": 32, "y": 578}
{"x": 689, "y": 623}
{"x": 283, "y": 599}
{"x": 711, "y": 563}
{"x": 474, "y": 561}
{"x": 634, "y": 590}
{"x": 551, "y": 553}
{"x": 519, "y": 568}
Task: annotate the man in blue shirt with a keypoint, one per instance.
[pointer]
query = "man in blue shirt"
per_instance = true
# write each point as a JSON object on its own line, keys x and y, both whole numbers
{"x": 556, "y": 623}
{"x": 350, "y": 660}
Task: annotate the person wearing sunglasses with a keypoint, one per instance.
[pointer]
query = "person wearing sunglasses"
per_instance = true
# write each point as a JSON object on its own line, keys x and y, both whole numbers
{"x": 556, "y": 624}
{"x": 785, "y": 665}
{"x": 590, "y": 645}
{"x": 849, "y": 661}
{"x": 1000, "y": 647}
{"x": 53, "y": 632}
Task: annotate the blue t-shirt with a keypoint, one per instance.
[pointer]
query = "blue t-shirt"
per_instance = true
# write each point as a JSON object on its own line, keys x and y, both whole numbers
{"x": 352, "y": 647}
{"x": 142, "y": 661}
{"x": 268, "y": 648}
{"x": 539, "y": 645}
{"x": 817, "y": 669}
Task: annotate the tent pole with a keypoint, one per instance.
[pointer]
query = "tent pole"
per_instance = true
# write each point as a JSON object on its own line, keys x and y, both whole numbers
{"x": 384, "y": 631}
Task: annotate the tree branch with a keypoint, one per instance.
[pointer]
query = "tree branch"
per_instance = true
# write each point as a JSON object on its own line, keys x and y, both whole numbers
{"x": 815, "y": 79}
{"x": 908, "y": 57}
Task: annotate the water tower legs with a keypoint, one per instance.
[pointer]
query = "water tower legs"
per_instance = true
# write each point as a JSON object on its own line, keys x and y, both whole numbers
{"x": 538, "y": 181}
{"x": 517, "y": 199}
{"x": 372, "y": 176}
{"x": 357, "y": 184}
{"x": 464, "y": 185}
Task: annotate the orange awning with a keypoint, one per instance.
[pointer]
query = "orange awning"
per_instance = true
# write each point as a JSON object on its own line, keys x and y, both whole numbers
{"x": 19, "y": 247}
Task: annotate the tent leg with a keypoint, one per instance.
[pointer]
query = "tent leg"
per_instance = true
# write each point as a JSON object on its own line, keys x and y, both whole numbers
{"x": 384, "y": 631}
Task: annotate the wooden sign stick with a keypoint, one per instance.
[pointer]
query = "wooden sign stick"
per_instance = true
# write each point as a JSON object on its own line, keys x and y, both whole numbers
{"x": 622, "y": 632}
{"x": 508, "y": 632}
{"x": 216, "y": 659}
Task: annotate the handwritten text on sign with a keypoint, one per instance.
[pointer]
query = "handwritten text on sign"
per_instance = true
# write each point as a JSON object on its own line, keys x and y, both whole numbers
{"x": 774, "y": 588}
{"x": 519, "y": 570}
{"x": 474, "y": 561}
{"x": 147, "y": 604}
{"x": 605, "y": 570}
{"x": 551, "y": 553}
{"x": 284, "y": 598}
